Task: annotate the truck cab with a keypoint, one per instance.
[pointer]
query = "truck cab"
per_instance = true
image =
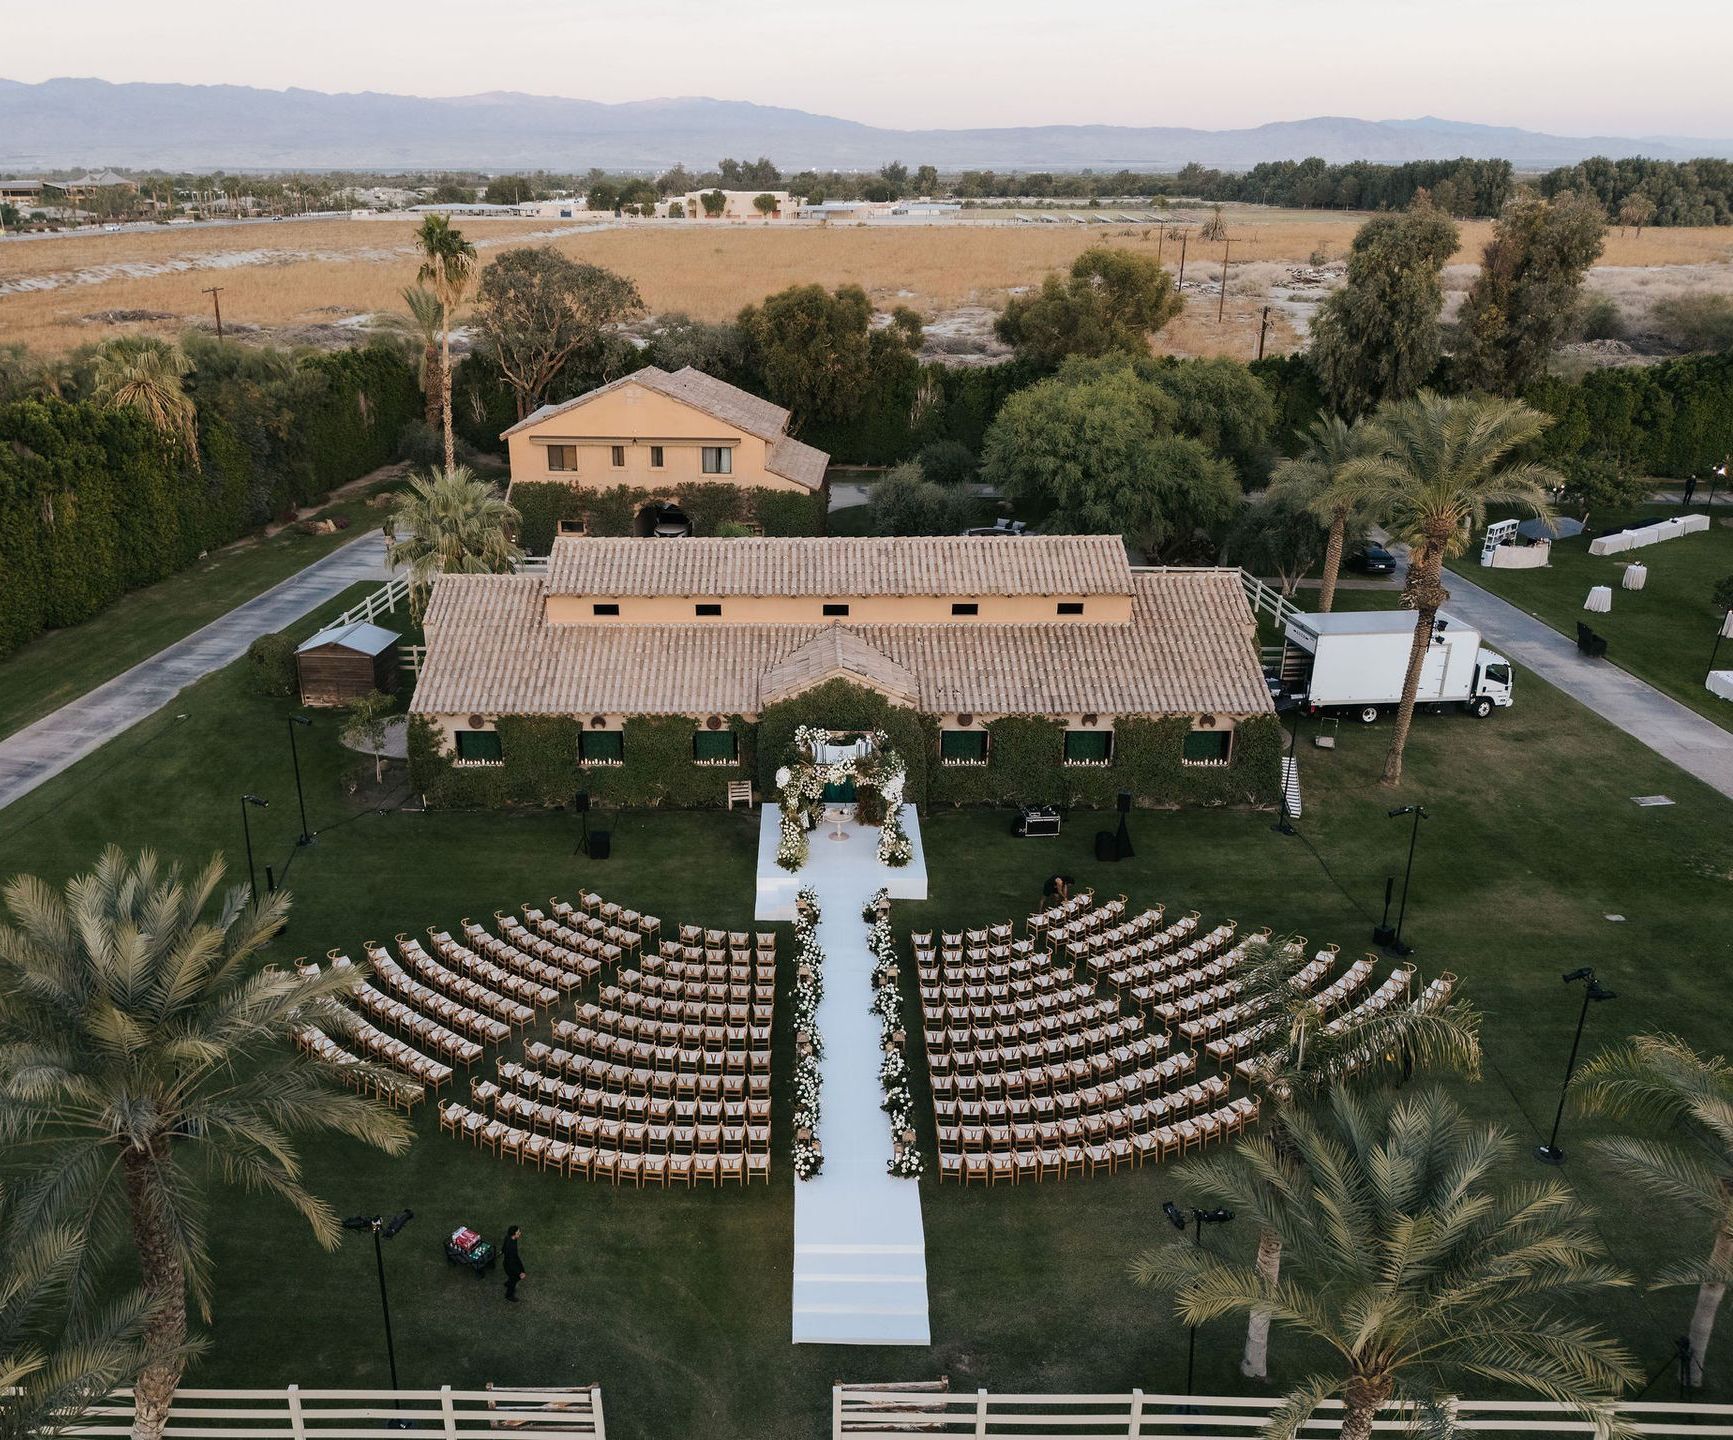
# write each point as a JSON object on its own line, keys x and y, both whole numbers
{"x": 1493, "y": 683}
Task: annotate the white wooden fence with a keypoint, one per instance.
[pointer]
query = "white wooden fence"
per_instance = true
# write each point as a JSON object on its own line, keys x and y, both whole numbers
{"x": 382, "y": 600}
{"x": 1266, "y": 599}
{"x": 297, "y": 1414}
{"x": 863, "y": 1413}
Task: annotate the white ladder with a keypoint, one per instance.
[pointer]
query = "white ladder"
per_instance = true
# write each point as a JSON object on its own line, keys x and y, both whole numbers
{"x": 1291, "y": 785}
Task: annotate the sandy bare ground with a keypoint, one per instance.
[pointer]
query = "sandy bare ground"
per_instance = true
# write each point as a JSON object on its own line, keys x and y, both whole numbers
{"x": 317, "y": 281}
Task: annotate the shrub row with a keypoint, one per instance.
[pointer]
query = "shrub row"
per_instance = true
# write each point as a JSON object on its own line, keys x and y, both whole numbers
{"x": 1673, "y": 419}
{"x": 709, "y": 506}
{"x": 95, "y": 503}
{"x": 1025, "y": 760}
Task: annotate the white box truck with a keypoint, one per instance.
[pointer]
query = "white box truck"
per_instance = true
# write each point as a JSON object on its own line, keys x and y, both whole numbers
{"x": 1353, "y": 663}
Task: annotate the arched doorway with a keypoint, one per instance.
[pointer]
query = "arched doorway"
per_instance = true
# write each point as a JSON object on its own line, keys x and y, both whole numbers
{"x": 661, "y": 520}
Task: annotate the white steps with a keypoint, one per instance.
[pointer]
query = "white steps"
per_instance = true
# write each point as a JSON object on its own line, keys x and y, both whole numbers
{"x": 1291, "y": 785}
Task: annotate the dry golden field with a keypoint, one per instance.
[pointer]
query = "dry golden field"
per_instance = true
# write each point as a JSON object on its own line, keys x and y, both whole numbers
{"x": 299, "y": 274}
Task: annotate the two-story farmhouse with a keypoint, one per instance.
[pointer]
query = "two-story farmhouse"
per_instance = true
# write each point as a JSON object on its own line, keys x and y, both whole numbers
{"x": 663, "y": 454}
{"x": 1007, "y": 669}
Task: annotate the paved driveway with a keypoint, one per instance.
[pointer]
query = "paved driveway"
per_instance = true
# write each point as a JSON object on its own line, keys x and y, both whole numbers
{"x": 44, "y": 749}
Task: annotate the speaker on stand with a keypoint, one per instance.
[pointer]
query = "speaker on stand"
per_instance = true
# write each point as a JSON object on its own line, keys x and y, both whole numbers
{"x": 1122, "y": 839}
{"x": 581, "y": 803}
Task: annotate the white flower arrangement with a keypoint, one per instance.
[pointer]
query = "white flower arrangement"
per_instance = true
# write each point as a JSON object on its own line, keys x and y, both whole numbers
{"x": 808, "y": 1072}
{"x": 887, "y": 1004}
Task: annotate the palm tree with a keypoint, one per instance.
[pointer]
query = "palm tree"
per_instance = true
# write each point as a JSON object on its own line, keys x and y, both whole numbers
{"x": 1670, "y": 1090}
{"x": 427, "y": 324}
{"x": 55, "y": 1361}
{"x": 1442, "y": 461}
{"x": 451, "y": 522}
{"x": 1409, "y": 1267}
{"x": 448, "y": 266}
{"x": 1315, "y": 480}
{"x": 141, "y": 1046}
{"x": 1316, "y": 1054}
{"x": 143, "y": 373}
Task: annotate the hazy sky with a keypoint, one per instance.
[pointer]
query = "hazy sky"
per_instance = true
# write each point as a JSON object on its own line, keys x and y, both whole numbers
{"x": 1568, "y": 66}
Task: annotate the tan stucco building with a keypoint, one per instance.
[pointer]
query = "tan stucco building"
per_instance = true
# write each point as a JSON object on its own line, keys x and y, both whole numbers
{"x": 654, "y": 431}
{"x": 957, "y": 632}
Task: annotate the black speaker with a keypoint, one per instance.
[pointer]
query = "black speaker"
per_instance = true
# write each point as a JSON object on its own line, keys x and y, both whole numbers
{"x": 601, "y": 844}
{"x": 581, "y": 802}
{"x": 1125, "y": 802}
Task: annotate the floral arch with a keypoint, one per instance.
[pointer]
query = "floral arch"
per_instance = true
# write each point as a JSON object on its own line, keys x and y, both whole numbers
{"x": 818, "y": 762}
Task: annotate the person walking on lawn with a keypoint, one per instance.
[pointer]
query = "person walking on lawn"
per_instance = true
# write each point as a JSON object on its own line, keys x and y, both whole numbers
{"x": 514, "y": 1266}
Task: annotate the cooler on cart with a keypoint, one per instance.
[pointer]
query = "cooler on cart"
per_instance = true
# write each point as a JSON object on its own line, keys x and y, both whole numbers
{"x": 466, "y": 1247}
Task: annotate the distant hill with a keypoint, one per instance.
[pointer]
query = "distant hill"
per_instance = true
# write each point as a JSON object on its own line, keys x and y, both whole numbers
{"x": 92, "y": 122}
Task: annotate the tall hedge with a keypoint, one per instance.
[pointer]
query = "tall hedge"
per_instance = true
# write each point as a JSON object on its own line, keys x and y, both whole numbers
{"x": 708, "y": 504}
{"x": 1673, "y": 419}
{"x": 358, "y": 406}
{"x": 92, "y": 503}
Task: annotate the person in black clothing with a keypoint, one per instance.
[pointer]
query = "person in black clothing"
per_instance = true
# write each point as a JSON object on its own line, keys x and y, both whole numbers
{"x": 514, "y": 1265}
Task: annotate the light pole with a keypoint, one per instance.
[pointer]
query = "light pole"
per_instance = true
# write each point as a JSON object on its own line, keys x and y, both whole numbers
{"x": 1397, "y": 945}
{"x": 247, "y": 831}
{"x": 1549, "y": 1153}
{"x": 383, "y": 1229}
{"x": 297, "y": 722}
{"x": 1199, "y": 1218}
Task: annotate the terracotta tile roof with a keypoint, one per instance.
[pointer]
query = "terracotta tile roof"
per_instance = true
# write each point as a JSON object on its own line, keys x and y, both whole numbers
{"x": 1189, "y": 648}
{"x": 796, "y": 460}
{"x": 838, "y": 652}
{"x": 905, "y": 565}
{"x": 740, "y": 408}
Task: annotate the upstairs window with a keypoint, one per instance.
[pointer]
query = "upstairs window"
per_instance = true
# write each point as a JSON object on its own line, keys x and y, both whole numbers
{"x": 716, "y": 460}
{"x": 1070, "y": 607}
{"x": 655, "y": 457}
{"x": 604, "y": 607}
{"x": 965, "y": 607}
{"x": 479, "y": 747}
{"x": 602, "y": 747}
{"x": 836, "y": 610}
{"x": 1088, "y": 747}
{"x": 963, "y": 747}
{"x": 619, "y": 456}
{"x": 562, "y": 457}
{"x": 708, "y": 610}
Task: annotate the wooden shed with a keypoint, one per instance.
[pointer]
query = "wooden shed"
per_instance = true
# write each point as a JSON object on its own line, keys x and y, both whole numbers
{"x": 342, "y": 663}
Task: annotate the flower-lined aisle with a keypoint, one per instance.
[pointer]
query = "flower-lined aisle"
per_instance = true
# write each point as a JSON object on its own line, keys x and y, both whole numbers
{"x": 809, "y": 1044}
{"x": 894, "y": 1067}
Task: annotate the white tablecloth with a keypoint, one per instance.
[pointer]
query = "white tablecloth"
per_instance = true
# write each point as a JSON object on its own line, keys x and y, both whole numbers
{"x": 1720, "y": 682}
{"x": 1600, "y": 599}
{"x": 1635, "y": 576}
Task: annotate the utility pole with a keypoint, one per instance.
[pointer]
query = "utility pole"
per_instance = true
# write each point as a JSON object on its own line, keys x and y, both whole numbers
{"x": 1222, "y": 304}
{"x": 214, "y": 292}
{"x": 1263, "y": 330}
{"x": 1160, "y": 235}
{"x": 1183, "y": 234}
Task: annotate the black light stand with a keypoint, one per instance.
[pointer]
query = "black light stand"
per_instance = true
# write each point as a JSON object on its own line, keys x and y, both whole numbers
{"x": 1397, "y": 945}
{"x": 581, "y": 803}
{"x": 1122, "y": 840}
{"x": 1285, "y": 826}
{"x": 1549, "y": 1153}
{"x": 296, "y": 721}
{"x": 384, "y": 1229}
{"x": 247, "y": 832}
{"x": 1199, "y": 1218}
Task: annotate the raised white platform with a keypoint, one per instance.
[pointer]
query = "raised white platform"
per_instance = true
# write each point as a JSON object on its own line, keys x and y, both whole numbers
{"x": 860, "y": 1252}
{"x": 777, "y": 887}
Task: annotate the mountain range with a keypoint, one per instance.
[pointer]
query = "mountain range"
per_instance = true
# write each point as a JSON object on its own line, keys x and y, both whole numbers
{"x": 84, "y": 122}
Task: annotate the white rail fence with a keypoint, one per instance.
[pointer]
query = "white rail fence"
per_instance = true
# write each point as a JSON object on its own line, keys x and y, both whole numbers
{"x": 296, "y": 1414}
{"x": 1268, "y": 600}
{"x": 386, "y": 598}
{"x": 861, "y": 1412}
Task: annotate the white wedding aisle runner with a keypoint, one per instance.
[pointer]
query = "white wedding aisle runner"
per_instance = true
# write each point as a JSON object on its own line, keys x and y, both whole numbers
{"x": 860, "y": 1254}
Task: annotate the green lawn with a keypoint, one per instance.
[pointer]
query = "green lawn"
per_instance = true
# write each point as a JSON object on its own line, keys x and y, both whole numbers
{"x": 1662, "y": 633}
{"x": 677, "y": 1302}
{"x": 64, "y": 664}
